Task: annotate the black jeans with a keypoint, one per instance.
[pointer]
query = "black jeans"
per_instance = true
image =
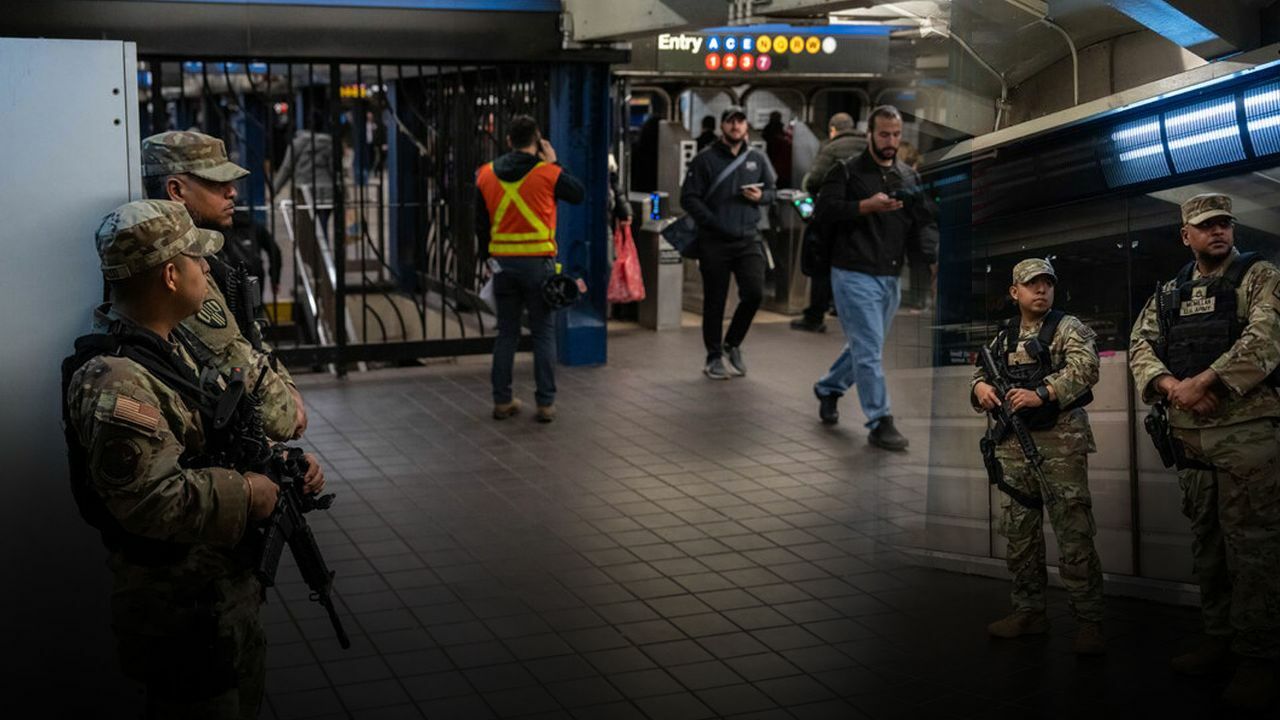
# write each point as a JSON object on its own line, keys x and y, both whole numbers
{"x": 517, "y": 288}
{"x": 744, "y": 260}
{"x": 819, "y": 298}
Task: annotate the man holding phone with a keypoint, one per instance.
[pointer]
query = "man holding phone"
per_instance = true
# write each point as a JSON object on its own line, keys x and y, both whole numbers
{"x": 879, "y": 214}
{"x": 725, "y": 186}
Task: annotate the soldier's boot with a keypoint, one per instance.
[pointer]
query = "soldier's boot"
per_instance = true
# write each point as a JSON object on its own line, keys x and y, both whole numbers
{"x": 1019, "y": 623}
{"x": 1253, "y": 687}
{"x": 1208, "y": 657}
{"x": 1089, "y": 639}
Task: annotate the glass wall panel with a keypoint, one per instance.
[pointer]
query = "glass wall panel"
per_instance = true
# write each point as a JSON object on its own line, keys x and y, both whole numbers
{"x": 1109, "y": 253}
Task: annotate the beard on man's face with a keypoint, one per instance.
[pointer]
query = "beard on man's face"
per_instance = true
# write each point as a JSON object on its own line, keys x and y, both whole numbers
{"x": 887, "y": 152}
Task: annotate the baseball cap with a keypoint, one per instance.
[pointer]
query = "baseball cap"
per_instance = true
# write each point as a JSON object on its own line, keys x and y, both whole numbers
{"x": 731, "y": 111}
{"x": 1031, "y": 268}
{"x": 176, "y": 152}
{"x": 145, "y": 233}
{"x": 1201, "y": 207}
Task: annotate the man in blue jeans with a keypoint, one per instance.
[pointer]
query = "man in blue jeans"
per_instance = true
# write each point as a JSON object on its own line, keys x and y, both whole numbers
{"x": 516, "y": 226}
{"x": 880, "y": 215}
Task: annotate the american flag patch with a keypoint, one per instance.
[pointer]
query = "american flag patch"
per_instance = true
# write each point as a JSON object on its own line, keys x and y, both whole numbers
{"x": 135, "y": 413}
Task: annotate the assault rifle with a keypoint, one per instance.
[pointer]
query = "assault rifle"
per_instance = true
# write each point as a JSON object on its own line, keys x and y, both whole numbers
{"x": 244, "y": 447}
{"x": 1007, "y": 421}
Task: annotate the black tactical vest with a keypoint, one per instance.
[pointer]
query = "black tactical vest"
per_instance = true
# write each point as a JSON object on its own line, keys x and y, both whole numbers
{"x": 1031, "y": 376}
{"x": 1201, "y": 319}
{"x": 157, "y": 358}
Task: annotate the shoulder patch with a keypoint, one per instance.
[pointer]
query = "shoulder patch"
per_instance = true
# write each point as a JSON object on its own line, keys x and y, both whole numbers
{"x": 118, "y": 461}
{"x": 212, "y": 314}
{"x": 132, "y": 412}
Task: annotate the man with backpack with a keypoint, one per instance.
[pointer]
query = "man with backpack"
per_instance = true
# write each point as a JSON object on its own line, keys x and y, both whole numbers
{"x": 845, "y": 142}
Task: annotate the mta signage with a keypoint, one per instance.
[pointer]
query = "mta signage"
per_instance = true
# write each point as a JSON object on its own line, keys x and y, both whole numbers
{"x": 777, "y": 49}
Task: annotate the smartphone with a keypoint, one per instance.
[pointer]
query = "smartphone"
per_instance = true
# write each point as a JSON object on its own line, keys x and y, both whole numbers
{"x": 752, "y": 185}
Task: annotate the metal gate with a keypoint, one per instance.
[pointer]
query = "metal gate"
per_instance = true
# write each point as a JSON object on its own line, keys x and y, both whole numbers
{"x": 360, "y": 204}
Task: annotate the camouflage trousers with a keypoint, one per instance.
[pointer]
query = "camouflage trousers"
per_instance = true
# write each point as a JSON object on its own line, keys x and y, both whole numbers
{"x": 1235, "y": 519}
{"x": 199, "y": 658}
{"x": 1072, "y": 522}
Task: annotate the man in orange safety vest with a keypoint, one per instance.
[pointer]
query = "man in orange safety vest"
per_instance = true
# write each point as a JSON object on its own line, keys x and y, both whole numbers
{"x": 516, "y": 227}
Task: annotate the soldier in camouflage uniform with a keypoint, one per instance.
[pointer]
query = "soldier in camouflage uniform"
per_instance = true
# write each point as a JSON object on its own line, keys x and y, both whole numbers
{"x": 1057, "y": 367}
{"x": 184, "y": 606}
{"x": 1217, "y": 382}
{"x": 192, "y": 168}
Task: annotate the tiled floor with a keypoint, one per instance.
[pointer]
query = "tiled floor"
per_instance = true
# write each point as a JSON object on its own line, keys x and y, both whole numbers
{"x": 670, "y": 548}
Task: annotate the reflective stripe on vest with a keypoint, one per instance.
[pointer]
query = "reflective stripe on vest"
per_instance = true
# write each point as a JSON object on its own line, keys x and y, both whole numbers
{"x": 517, "y": 228}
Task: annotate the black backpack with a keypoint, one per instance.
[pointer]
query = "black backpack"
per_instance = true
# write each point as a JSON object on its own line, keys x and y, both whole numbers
{"x": 818, "y": 238}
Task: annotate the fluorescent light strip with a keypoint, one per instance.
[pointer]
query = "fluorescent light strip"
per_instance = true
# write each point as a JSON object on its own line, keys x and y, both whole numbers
{"x": 1141, "y": 152}
{"x": 1223, "y": 109}
{"x": 1133, "y": 132}
{"x": 1264, "y": 123}
{"x": 1252, "y": 101}
{"x": 1204, "y": 137}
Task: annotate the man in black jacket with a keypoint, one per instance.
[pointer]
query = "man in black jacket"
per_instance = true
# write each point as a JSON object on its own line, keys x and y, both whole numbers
{"x": 844, "y": 142}
{"x": 729, "y": 243}
{"x": 879, "y": 214}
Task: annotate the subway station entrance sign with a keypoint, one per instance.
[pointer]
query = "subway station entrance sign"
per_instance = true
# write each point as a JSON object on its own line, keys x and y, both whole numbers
{"x": 767, "y": 49}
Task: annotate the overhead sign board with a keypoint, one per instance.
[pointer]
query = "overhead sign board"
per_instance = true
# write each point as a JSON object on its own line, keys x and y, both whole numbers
{"x": 766, "y": 49}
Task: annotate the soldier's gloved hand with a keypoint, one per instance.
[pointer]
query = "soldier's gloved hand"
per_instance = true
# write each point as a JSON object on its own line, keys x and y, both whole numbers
{"x": 986, "y": 395}
{"x": 262, "y": 495}
{"x": 313, "y": 481}
{"x": 1021, "y": 399}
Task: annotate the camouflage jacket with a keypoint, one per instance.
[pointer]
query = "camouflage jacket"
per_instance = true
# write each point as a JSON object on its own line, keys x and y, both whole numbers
{"x": 219, "y": 334}
{"x": 1073, "y": 353}
{"x": 1242, "y": 369}
{"x": 134, "y": 429}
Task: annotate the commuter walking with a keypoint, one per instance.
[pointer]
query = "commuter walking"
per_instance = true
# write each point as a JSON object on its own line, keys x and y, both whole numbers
{"x": 1048, "y": 362}
{"x": 1204, "y": 354}
{"x": 515, "y": 204}
{"x": 843, "y": 143}
{"x": 725, "y": 186}
{"x": 879, "y": 215}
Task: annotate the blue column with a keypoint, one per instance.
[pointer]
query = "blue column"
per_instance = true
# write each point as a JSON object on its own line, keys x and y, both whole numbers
{"x": 251, "y": 124}
{"x": 579, "y": 130}
{"x": 403, "y": 185}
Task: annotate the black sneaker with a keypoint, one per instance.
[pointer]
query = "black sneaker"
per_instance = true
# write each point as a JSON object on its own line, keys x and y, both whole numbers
{"x": 806, "y": 325}
{"x": 735, "y": 366}
{"x": 827, "y": 411}
{"x": 886, "y": 436}
{"x": 715, "y": 370}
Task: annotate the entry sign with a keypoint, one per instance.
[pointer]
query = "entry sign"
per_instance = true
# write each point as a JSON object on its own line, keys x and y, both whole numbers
{"x": 806, "y": 51}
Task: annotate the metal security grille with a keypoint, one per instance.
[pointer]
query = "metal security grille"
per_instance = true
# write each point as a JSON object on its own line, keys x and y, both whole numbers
{"x": 358, "y": 212}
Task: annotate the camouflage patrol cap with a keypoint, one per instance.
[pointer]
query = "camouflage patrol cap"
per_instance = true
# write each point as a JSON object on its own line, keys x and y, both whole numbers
{"x": 1031, "y": 268}
{"x": 1201, "y": 207}
{"x": 176, "y": 152}
{"x": 144, "y": 233}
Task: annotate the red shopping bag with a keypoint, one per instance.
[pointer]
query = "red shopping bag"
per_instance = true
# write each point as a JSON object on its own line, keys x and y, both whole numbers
{"x": 625, "y": 282}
